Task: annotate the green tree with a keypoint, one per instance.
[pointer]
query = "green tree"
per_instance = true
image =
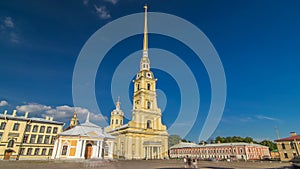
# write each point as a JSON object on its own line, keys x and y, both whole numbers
{"x": 174, "y": 139}
{"x": 272, "y": 146}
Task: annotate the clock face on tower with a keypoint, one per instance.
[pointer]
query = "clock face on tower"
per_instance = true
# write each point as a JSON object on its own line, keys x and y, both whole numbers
{"x": 149, "y": 75}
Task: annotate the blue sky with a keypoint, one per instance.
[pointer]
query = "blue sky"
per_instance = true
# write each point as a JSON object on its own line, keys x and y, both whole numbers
{"x": 257, "y": 42}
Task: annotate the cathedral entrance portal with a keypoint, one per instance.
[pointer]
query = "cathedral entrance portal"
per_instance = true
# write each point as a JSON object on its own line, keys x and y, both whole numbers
{"x": 152, "y": 150}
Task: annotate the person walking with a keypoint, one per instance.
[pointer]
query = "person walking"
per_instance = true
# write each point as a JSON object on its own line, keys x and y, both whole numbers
{"x": 195, "y": 163}
{"x": 185, "y": 162}
{"x": 189, "y": 162}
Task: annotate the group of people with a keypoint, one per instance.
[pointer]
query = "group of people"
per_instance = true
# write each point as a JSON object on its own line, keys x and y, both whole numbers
{"x": 190, "y": 162}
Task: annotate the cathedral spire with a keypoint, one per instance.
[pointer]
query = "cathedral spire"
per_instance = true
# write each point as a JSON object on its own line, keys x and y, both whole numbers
{"x": 145, "y": 46}
{"x": 87, "y": 120}
{"x": 118, "y": 104}
{"x": 145, "y": 62}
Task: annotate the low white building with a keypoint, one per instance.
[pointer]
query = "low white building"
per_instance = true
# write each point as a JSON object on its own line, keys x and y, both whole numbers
{"x": 85, "y": 141}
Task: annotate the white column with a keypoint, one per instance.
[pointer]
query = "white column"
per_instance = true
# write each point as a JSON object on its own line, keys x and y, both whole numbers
{"x": 78, "y": 149}
{"x": 83, "y": 149}
{"x": 59, "y": 148}
{"x": 94, "y": 150}
{"x": 101, "y": 147}
{"x": 111, "y": 146}
{"x": 97, "y": 149}
{"x": 55, "y": 149}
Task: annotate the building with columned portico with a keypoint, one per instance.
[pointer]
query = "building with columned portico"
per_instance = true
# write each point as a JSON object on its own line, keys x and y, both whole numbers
{"x": 84, "y": 141}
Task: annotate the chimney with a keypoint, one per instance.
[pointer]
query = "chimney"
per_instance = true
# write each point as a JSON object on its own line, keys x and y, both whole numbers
{"x": 26, "y": 115}
{"x": 14, "y": 113}
{"x": 47, "y": 117}
{"x": 5, "y": 112}
{"x": 219, "y": 142}
{"x": 293, "y": 133}
{"x": 51, "y": 118}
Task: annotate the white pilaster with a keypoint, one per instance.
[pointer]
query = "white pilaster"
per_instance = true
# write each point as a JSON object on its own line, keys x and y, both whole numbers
{"x": 59, "y": 148}
{"x": 54, "y": 149}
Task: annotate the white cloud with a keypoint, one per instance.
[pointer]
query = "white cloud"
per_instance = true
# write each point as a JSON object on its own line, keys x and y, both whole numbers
{"x": 8, "y": 22}
{"x": 262, "y": 117}
{"x": 33, "y": 108}
{"x": 60, "y": 113}
{"x": 8, "y": 29}
{"x": 3, "y": 103}
{"x": 85, "y": 2}
{"x": 112, "y": 1}
{"x": 14, "y": 38}
{"x": 102, "y": 12}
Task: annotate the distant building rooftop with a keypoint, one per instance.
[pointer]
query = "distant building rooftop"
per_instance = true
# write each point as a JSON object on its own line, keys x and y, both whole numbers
{"x": 26, "y": 118}
{"x": 293, "y": 136}
{"x": 189, "y": 145}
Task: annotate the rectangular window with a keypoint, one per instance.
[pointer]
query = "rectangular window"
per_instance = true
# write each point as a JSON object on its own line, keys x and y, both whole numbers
{"x": 40, "y": 139}
{"x": 2, "y": 126}
{"x": 283, "y": 145}
{"x": 35, "y": 128}
{"x": 292, "y": 145}
{"x": 44, "y": 151}
{"x": 25, "y": 138}
{"x": 42, "y": 129}
{"x": 53, "y": 139}
{"x": 16, "y": 127}
{"x": 28, "y": 127}
{"x": 32, "y": 138}
{"x": 106, "y": 149}
{"x": 22, "y": 150}
{"x": 47, "y": 138}
{"x": 29, "y": 151}
{"x": 50, "y": 151}
{"x": 36, "y": 151}
{"x": 286, "y": 155}
{"x": 64, "y": 150}
{"x": 49, "y": 129}
{"x": 54, "y": 130}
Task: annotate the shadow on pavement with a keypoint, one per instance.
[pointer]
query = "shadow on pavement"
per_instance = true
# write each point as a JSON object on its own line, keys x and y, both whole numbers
{"x": 206, "y": 167}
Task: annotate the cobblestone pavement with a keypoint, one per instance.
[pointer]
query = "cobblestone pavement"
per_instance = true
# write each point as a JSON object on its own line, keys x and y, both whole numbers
{"x": 138, "y": 164}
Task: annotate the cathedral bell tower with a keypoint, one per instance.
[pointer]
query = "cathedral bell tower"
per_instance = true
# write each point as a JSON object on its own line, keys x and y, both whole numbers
{"x": 145, "y": 113}
{"x": 74, "y": 121}
{"x": 117, "y": 116}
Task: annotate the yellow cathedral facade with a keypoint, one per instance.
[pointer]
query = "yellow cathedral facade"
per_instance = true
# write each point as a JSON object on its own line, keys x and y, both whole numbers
{"x": 144, "y": 137}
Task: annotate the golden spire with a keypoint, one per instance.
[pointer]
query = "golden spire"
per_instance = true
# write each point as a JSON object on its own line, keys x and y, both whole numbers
{"x": 118, "y": 103}
{"x": 145, "y": 47}
{"x": 145, "y": 62}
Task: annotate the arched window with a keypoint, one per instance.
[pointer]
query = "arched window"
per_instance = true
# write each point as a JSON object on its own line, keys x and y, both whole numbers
{"x": 148, "y": 86}
{"x": 148, "y": 105}
{"x": 138, "y": 86}
{"x": 112, "y": 121}
{"x": 116, "y": 121}
{"x": 11, "y": 143}
{"x": 121, "y": 121}
{"x": 149, "y": 124}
